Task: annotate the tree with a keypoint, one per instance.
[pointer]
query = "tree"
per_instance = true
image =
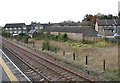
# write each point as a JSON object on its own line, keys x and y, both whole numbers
{"x": 119, "y": 14}
{"x": 105, "y": 17}
{"x": 5, "y": 34}
{"x": 99, "y": 14}
{"x": 25, "y": 39}
{"x": 110, "y": 16}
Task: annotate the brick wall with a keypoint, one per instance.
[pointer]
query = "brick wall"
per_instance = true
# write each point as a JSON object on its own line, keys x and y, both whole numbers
{"x": 74, "y": 36}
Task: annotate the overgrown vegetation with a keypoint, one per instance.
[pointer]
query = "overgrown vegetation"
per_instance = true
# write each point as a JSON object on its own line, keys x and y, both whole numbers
{"x": 74, "y": 43}
{"x": 6, "y": 34}
{"x": 22, "y": 37}
{"x": 46, "y": 46}
{"x": 47, "y": 36}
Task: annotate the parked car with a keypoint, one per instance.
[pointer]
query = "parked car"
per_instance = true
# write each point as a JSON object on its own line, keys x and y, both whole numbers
{"x": 98, "y": 35}
{"x": 117, "y": 35}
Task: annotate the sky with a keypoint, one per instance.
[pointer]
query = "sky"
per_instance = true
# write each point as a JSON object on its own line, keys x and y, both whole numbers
{"x": 44, "y": 11}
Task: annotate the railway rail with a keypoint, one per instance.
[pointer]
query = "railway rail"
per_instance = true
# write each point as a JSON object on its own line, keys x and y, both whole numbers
{"x": 29, "y": 70}
{"x": 63, "y": 72}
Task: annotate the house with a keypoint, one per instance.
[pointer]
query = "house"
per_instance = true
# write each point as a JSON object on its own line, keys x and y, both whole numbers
{"x": 15, "y": 28}
{"x": 107, "y": 27}
{"x": 32, "y": 33}
{"x": 36, "y": 26}
{"x": 73, "y": 32}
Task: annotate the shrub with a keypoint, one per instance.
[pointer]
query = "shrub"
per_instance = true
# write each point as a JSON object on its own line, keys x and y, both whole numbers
{"x": 63, "y": 37}
{"x": 46, "y": 46}
{"x": 5, "y": 34}
{"x": 87, "y": 42}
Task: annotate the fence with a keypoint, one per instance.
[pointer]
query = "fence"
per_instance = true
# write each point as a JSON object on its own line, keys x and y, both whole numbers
{"x": 94, "y": 39}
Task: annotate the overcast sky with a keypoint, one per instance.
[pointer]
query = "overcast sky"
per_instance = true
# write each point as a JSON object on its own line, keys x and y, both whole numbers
{"x": 44, "y": 11}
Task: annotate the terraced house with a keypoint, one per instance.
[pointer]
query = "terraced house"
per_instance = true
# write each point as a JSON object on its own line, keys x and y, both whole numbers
{"x": 16, "y": 28}
{"x": 107, "y": 27}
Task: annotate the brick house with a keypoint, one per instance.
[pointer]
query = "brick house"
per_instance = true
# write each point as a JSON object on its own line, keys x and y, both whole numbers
{"x": 16, "y": 28}
{"x": 107, "y": 27}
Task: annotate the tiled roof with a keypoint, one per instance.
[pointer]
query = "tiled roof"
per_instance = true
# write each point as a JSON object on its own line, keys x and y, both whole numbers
{"x": 31, "y": 31}
{"x": 14, "y": 25}
{"x": 108, "y": 22}
{"x": 101, "y": 22}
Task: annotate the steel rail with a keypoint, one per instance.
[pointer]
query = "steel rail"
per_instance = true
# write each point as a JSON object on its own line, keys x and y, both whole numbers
{"x": 52, "y": 62}
{"x": 47, "y": 79}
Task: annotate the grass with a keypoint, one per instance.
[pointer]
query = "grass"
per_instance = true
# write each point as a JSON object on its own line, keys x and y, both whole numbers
{"x": 109, "y": 74}
{"x": 101, "y": 44}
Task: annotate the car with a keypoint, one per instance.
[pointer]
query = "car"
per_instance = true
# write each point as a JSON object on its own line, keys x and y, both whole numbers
{"x": 98, "y": 35}
{"x": 117, "y": 35}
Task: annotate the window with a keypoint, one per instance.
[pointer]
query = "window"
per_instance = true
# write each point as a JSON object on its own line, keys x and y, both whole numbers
{"x": 24, "y": 28}
{"x": 15, "y": 28}
{"x": 6, "y": 28}
{"x": 114, "y": 26}
{"x": 114, "y": 30}
{"x": 99, "y": 29}
{"x": 15, "y": 31}
{"x": 107, "y": 30}
{"x": 36, "y": 27}
{"x": 100, "y": 26}
{"x": 19, "y": 32}
{"x": 41, "y": 27}
{"x": 10, "y": 28}
{"x": 11, "y": 32}
{"x": 24, "y": 31}
{"x": 19, "y": 28}
{"x": 111, "y": 30}
{"x": 118, "y": 26}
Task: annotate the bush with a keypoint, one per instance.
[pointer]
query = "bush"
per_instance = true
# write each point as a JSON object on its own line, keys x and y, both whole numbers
{"x": 46, "y": 46}
{"x": 63, "y": 37}
{"x": 5, "y": 34}
{"x": 87, "y": 42}
{"x": 102, "y": 44}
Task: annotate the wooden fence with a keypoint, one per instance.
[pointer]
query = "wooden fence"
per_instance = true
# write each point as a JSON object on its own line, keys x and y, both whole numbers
{"x": 94, "y": 39}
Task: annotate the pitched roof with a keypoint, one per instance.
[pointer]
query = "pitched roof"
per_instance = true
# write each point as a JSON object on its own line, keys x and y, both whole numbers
{"x": 15, "y": 25}
{"x": 31, "y": 31}
{"x": 101, "y": 22}
{"x": 108, "y": 22}
{"x": 86, "y": 30}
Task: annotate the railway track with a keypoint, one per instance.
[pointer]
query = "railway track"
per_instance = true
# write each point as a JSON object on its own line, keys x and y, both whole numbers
{"x": 30, "y": 71}
{"x": 63, "y": 73}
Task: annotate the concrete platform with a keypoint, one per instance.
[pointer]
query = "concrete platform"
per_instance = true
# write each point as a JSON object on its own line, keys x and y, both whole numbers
{"x": 9, "y": 71}
{"x": 6, "y": 74}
